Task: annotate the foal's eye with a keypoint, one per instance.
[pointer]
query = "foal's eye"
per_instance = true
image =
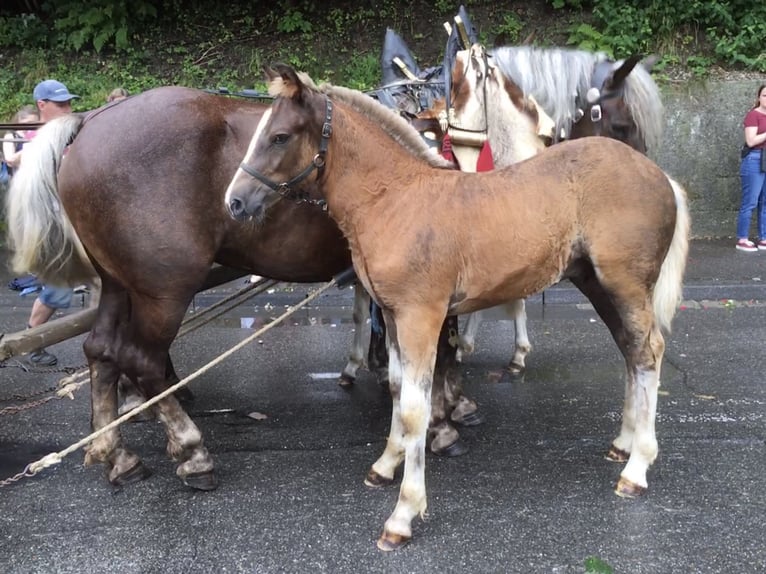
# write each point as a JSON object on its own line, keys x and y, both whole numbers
{"x": 280, "y": 139}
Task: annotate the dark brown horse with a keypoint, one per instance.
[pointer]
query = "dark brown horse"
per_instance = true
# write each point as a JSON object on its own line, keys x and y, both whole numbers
{"x": 593, "y": 210}
{"x": 142, "y": 184}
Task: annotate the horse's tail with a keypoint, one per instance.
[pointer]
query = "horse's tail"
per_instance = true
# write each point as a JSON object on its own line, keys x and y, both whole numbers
{"x": 39, "y": 232}
{"x": 669, "y": 288}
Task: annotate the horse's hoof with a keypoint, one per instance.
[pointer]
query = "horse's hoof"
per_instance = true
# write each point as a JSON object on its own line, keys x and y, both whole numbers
{"x": 389, "y": 541}
{"x": 513, "y": 374}
{"x": 628, "y": 489}
{"x": 346, "y": 381}
{"x": 383, "y": 379}
{"x": 616, "y": 454}
{"x": 201, "y": 480}
{"x": 375, "y": 480}
{"x": 470, "y": 420}
{"x": 136, "y": 473}
{"x": 457, "y": 448}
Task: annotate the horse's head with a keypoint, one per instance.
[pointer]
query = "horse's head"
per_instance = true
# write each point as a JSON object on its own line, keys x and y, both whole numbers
{"x": 605, "y": 110}
{"x": 486, "y": 103}
{"x": 286, "y": 156}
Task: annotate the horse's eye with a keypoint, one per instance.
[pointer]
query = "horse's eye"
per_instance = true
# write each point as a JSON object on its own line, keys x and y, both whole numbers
{"x": 280, "y": 139}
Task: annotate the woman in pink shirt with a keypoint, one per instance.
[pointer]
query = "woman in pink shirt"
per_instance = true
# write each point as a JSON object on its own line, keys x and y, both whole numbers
{"x": 753, "y": 179}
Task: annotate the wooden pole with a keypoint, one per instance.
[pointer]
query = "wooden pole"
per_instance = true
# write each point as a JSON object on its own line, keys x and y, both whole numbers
{"x": 63, "y": 328}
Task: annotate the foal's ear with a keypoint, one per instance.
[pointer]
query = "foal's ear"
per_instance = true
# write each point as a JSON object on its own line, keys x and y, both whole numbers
{"x": 292, "y": 87}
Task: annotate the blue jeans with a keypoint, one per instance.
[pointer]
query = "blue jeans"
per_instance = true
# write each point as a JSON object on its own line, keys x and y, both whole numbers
{"x": 753, "y": 192}
{"x": 56, "y": 297}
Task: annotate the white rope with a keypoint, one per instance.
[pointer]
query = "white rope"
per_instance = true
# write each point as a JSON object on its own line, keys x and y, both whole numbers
{"x": 56, "y": 457}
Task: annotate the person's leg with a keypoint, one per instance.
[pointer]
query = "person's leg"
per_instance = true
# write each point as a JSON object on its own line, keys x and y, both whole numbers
{"x": 40, "y": 313}
{"x": 50, "y": 299}
{"x": 752, "y": 181}
{"x": 761, "y": 213}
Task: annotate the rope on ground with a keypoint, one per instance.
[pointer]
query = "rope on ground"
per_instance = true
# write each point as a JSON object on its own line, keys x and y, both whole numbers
{"x": 189, "y": 324}
{"x": 56, "y": 457}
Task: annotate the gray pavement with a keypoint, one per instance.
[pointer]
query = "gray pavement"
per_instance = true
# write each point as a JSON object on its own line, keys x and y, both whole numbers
{"x": 534, "y": 494}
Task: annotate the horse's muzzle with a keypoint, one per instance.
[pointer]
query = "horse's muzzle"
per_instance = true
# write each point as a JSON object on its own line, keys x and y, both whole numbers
{"x": 238, "y": 210}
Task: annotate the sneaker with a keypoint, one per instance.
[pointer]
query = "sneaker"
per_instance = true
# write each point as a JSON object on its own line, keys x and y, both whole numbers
{"x": 747, "y": 245}
{"x": 762, "y": 244}
{"x": 42, "y": 358}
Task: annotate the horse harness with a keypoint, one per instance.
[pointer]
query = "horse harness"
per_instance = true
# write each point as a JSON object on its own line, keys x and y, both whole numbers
{"x": 285, "y": 189}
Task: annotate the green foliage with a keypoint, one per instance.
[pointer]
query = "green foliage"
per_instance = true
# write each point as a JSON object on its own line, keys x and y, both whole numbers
{"x": 98, "y": 22}
{"x": 510, "y": 28}
{"x": 594, "y": 565}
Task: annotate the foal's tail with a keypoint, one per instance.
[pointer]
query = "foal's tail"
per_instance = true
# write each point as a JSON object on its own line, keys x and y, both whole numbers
{"x": 39, "y": 232}
{"x": 669, "y": 288}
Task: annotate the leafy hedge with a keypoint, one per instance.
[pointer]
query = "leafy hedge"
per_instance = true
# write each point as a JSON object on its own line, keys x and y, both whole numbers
{"x": 96, "y": 45}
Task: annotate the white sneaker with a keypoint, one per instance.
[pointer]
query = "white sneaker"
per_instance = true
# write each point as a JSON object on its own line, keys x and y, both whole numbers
{"x": 747, "y": 245}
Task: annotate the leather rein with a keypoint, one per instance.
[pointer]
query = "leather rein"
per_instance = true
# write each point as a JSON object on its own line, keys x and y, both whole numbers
{"x": 286, "y": 189}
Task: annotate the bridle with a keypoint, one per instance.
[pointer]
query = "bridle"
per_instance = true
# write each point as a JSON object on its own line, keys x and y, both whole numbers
{"x": 466, "y": 136}
{"x": 286, "y": 189}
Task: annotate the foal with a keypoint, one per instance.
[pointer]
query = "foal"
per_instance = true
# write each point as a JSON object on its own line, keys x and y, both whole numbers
{"x": 554, "y": 216}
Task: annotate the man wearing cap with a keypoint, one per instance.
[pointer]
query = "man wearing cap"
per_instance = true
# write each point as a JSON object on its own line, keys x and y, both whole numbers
{"x": 53, "y": 100}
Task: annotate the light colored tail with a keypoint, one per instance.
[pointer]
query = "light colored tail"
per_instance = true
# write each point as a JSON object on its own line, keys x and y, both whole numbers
{"x": 669, "y": 288}
{"x": 39, "y": 232}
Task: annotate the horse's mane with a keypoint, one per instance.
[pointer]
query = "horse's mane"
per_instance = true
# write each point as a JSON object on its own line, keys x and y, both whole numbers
{"x": 391, "y": 122}
{"x": 554, "y": 75}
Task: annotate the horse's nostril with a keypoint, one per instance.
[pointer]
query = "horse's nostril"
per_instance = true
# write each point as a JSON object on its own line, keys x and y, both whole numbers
{"x": 237, "y": 208}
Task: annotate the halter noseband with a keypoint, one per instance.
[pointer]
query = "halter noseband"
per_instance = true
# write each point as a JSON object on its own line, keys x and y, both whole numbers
{"x": 285, "y": 189}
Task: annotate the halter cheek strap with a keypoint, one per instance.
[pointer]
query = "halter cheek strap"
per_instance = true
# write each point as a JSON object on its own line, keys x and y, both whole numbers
{"x": 285, "y": 189}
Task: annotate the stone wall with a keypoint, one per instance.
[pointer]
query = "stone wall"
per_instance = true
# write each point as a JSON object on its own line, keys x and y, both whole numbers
{"x": 701, "y": 145}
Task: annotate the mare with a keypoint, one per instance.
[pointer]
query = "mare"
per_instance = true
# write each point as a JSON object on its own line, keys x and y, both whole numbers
{"x": 525, "y": 227}
{"x": 584, "y": 94}
{"x": 143, "y": 211}
{"x": 142, "y": 187}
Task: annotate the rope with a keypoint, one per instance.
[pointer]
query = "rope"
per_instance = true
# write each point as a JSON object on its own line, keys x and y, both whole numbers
{"x": 191, "y": 323}
{"x": 56, "y": 457}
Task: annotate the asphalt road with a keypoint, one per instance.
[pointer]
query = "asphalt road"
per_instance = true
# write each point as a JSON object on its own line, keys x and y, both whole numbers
{"x": 534, "y": 493}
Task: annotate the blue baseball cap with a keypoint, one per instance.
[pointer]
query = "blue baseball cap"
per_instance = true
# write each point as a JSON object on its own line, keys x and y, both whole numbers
{"x": 52, "y": 90}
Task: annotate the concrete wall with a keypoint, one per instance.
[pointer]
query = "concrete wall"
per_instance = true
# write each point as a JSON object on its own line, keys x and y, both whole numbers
{"x": 701, "y": 145}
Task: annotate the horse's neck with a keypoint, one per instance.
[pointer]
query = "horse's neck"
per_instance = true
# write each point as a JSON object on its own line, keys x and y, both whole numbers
{"x": 511, "y": 134}
{"x": 364, "y": 164}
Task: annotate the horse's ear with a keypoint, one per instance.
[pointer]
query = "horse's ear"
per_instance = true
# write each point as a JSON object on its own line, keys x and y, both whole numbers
{"x": 284, "y": 82}
{"x": 649, "y": 62}
{"x": 621, "y": 73}
{"x": 269, "y": 73}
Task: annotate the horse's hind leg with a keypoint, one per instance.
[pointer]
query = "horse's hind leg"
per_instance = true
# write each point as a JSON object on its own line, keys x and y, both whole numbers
{"x": 630, "y": 319}
{"x": 154, "y": 323}
{"x": 100, "y": 347}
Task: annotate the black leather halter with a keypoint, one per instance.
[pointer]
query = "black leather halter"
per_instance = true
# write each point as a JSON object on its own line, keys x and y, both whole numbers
{"x": 285, "y": 189}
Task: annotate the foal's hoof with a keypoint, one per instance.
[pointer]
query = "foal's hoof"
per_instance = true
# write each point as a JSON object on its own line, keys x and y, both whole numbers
{"x": 201, "y": 480}
{"x": 457, "y": 448}
{"x": 136, "y": 473}
{"x": 616, "y": 454}
{"x": 470, "y": 420}
{"x": 346, "y": 381}
{"x": 389, "y": 541}
{"x": 628, "y": 489}
{"x": 375, "y": 480}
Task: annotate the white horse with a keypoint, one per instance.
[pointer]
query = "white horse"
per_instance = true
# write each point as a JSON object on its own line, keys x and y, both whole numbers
{"x": 501, "y": 94}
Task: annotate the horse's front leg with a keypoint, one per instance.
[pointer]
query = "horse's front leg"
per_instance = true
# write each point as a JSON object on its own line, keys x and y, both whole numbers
{"x": 467, "y": 339}
{"x": 361, "y": 312}
{"x": 521, "y": 348}
{"x": 417, "y": 332}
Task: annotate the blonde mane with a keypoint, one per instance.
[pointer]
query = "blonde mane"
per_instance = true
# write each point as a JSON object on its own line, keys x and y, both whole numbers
{"x": 391, "y": 122}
